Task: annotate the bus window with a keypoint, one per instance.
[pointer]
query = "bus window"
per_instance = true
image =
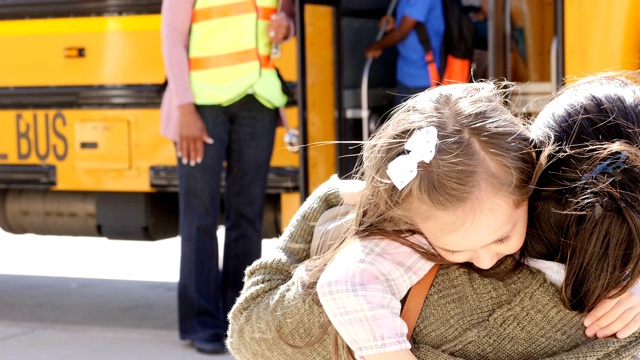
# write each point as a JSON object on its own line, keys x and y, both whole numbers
{"x": 522, "y": 49}
{"x": 531, "y": 40}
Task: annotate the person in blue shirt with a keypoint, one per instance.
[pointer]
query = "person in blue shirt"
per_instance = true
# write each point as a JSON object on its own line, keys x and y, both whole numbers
{"x": 412, "y": 74}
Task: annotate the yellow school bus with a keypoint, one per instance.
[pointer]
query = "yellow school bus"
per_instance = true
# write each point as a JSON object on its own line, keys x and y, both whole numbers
{"x": 80, "y": 147}
{"x": 80, "y": 84}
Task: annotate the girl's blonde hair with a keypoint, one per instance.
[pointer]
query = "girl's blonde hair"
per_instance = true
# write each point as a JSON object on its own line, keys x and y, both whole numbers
{"x": 481, "y": 145}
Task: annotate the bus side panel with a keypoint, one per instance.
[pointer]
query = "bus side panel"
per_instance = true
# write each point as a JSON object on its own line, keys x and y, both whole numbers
{"x": 601, "y": 36}
{"x": 92, "y": 150}
{"x": 114, "y": 50}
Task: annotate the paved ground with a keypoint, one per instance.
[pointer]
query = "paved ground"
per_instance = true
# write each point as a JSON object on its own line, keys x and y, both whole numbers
{"x": 86, "y": 298}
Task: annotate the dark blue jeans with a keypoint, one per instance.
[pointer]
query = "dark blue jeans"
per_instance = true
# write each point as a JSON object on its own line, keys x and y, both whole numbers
{"x": 243, "y": 136}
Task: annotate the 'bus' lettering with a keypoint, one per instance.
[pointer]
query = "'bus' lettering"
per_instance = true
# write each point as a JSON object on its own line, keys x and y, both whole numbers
{"x": 47, "y": 136}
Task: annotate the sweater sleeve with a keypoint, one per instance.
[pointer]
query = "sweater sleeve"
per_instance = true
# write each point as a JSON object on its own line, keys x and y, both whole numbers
{"x": 269, "y": 320}
{"x": 361, "y": 290}
{"x": 175, "y": 28}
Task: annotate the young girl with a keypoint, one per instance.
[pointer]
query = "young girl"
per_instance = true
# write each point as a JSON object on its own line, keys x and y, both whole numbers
{"x": 452, "y": 165}
{"x": 455, "y": 191}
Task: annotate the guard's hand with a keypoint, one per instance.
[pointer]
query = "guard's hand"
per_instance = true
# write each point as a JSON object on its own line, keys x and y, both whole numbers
{"x": 193, "y": 135}
{"x": 387, "y": 22}
{"x": 620, "y": 316}
{"x": 278, "y": 28}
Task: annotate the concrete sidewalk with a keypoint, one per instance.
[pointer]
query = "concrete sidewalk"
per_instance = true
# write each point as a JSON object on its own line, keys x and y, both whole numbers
{"x": 71, "y": 319}
{"x": 73, "y": 298}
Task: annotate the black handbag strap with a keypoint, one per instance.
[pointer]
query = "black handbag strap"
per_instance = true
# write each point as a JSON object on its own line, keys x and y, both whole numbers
{"x": 432, "y": 66}
{"x": 423, "y": 35}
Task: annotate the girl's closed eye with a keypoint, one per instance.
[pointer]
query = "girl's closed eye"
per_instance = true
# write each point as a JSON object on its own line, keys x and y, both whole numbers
{"x": 504, "y": 240}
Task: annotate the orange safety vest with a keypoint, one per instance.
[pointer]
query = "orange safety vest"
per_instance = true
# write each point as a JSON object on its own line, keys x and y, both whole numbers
{"x": 229, "y": 53}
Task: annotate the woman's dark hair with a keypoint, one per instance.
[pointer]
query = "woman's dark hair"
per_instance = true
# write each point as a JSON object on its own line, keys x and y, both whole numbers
{"x": 584, "y": 211}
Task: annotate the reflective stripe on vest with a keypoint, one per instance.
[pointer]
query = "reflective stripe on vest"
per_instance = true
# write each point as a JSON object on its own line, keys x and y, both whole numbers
{"x": 228, "y": 59}
{"x": 229, "y": 53}
{"x": 233, "y": 9}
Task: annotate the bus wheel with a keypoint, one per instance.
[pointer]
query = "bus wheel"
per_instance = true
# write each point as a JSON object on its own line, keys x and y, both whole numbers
{"x": 4, "y": 225}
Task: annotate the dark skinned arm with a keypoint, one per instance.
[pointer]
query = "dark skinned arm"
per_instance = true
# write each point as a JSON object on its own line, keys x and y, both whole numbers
{"x": 392, "y": 38}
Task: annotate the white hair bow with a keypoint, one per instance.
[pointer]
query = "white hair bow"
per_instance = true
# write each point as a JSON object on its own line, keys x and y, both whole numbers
{"x": 421, "y": 146}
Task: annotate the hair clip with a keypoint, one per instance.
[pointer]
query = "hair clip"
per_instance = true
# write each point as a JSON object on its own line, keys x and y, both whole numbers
{"x": 612, "y": 166}
{"x": 598, "y": 211}
{"x": 421, "y": 146}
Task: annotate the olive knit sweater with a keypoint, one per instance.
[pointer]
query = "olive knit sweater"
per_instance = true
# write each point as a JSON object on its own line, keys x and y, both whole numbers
{"x": 465, "y": 315}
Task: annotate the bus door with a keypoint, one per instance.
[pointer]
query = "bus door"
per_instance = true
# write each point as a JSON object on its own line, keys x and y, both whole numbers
{"x": 367, "y": 85}
{"x": 331, "y": 42}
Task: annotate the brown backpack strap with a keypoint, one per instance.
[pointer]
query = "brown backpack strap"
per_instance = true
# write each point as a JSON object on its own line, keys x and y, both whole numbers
{"x": 415, "y": 299}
